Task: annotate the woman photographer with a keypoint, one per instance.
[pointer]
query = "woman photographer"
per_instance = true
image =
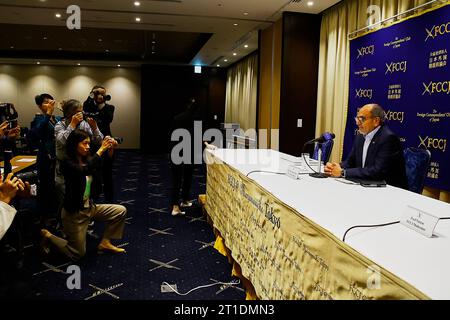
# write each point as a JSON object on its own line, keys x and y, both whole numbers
{"x": 79, "y": 169}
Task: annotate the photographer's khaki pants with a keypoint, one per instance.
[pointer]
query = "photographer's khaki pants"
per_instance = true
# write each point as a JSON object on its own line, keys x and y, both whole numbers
{"x": 76, "y": 225}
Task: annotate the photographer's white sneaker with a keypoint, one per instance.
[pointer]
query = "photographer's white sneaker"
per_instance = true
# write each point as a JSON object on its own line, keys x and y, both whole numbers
{"x": 177, "y": 213}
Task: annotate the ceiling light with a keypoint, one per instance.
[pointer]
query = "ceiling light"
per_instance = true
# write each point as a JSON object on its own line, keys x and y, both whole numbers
{"x": 310, "y": 3}
{"x": 225, "y": 60}
{"x": 38, "y": 62}
{"x": 58, "y": 15}
{"x": 245, "y": 13}
{"x": 118, "y": 65}
{"x": 137, "y": 19}
{"x": 59, "y": 49}
{"x": 137, "y": 3}
{"x": 235, "y": 24}
{"x": 78, "y": 64}
{"x": 246, "y": 46}
{"x": 12, "y": 47}
{"x": 100, "y": 40}
{"x": 106, "y": 50}
{"x": 234, "y": 54}
{"x": 44, "y": 38}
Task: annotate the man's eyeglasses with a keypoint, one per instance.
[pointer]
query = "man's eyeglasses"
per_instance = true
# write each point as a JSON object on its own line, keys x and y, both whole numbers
{"x": 362, "y": 119}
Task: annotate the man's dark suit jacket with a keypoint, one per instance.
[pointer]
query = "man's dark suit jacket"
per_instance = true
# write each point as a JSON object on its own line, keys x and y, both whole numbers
{"x": 384, "y": 160}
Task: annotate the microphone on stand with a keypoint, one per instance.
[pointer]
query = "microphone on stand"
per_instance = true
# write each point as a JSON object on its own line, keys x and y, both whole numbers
{"x": 320, "y": 140}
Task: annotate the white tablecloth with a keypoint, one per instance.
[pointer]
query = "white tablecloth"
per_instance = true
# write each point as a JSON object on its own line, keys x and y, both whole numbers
{"x": 422, "y": 262}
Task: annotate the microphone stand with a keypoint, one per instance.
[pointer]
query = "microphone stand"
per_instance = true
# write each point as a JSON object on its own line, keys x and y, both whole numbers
{"x": 319, "y": 174}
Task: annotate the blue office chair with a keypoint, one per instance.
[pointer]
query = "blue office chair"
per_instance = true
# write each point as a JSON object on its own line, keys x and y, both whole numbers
{"x": 327, "y": 148}
{"x": 417, "y": 162}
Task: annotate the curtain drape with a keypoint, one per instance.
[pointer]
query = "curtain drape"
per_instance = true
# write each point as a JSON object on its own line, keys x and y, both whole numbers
{"x": 241, "y": 94}
{"x": 334, "y": 60}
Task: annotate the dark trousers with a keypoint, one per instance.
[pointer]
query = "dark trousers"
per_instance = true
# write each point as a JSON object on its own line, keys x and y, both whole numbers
{"x": 46, "y": 202}
{"x": 181, "y": 182}
{"x": 107, "y": 179}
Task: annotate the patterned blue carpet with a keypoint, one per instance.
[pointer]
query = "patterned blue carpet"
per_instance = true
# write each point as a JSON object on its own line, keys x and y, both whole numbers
{"x": 160, "y": 248}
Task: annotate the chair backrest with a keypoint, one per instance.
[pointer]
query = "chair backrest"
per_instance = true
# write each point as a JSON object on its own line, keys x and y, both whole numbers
{"x": 417, "y": 162}
{"x": 327, "y": 148}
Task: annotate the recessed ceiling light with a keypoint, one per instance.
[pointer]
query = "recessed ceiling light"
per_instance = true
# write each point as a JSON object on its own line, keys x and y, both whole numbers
{"x": 245, "y": 13}
{"x": 100, "y": 40}
{"x": 137, "y": 3}
{"x": 38, "y": 62}
{"x": 106, "y": 50}
{"x": 310, "y": 3}
{"x": 78, "y": 64}
{"x": 235, "y": 24}
{"x": 234, "y": 54}
{"x": 225, "y": 60}
{"x": 137, "y": 19}
{"x": 218, "y": 65}
{"x": 118, "y": 65}
{"x": 58, "y": 15}
{"x": 246, "y": 46}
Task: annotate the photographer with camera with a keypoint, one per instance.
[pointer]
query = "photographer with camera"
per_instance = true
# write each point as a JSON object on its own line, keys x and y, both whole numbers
{"x": 73, "y": 119}
{"x": 9, "y": 129}
{"x": 79, "y": 169}
{"x": 42, "y": 134}
{"x": 97, "y": 104}
{"x": 14, "y": 284}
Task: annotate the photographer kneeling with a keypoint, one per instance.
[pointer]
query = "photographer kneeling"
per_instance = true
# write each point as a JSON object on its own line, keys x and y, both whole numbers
{"x": 79, "y": 170}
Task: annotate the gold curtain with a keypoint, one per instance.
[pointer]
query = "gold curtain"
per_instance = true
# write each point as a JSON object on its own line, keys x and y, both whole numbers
{"x": 241, "y": 95}
{"x": 334, "y": 61}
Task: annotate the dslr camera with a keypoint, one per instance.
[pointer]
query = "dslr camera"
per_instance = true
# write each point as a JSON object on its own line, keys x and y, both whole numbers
{"x": 119, "y": 140}
{"x": 96, "y": 93}
{"x": 8, "y": 113}
{"x": 31, "y": 177}
{"x": 93, "y": 115}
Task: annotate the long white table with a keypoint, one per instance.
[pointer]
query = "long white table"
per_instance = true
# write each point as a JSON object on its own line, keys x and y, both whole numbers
{"x": 422, "y": 262}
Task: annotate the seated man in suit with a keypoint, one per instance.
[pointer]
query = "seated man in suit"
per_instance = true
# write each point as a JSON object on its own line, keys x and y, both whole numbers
{"x": 377, "y": 153}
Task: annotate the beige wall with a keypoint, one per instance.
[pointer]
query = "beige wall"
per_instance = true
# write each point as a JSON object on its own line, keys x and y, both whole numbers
{"x": 20, "y": 83}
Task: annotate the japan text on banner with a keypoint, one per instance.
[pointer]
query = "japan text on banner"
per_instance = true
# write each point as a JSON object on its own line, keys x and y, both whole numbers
{"x": 405, "y": 68}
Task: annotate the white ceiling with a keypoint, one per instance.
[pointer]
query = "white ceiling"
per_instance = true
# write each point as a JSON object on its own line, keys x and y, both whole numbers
{"x": 202, "y": 16}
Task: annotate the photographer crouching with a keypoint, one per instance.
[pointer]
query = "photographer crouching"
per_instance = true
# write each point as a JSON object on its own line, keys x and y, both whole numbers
{"x": 80, "y": 169}
{"x": 96, "y": 105}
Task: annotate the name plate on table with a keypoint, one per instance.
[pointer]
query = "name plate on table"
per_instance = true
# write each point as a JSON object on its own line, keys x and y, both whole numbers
{"x": 294, "y": 172}
{"x": 419, "y": 221}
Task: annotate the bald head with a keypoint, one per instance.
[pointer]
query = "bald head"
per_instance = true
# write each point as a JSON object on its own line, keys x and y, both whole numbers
{"x": 376, "y": 111}
{"x": 370, "y": 117}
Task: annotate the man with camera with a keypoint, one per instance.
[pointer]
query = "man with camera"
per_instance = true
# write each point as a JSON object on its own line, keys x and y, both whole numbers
{"x": 97, "y": 106}
{"x": 13, "y": 282}
{"x": 42, "y": 134}
{"x": 9, "y": 129}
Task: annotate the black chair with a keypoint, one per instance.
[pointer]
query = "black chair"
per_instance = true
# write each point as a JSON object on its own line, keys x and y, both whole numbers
{"x": 417, "y": 162}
